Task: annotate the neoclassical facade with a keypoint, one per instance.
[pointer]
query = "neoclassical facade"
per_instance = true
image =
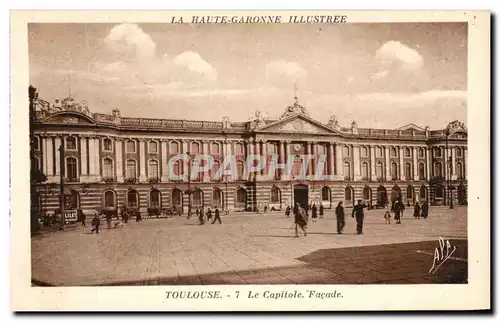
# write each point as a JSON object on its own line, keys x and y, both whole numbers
{"x": 113, "y": 161}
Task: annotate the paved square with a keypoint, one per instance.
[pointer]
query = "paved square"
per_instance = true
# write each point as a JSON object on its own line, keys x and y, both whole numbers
{"x": 254, "y": 249}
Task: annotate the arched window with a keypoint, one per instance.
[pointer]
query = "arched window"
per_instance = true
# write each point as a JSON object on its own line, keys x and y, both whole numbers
{"x": 437, "y": 152}
{"x": 71, "y": 143}
{"x": 347, "y": 170}
{"x": 408, "y": 171}
{"x": 407, "y": 152}
{"x": 409, "y": 192}
{"x": 35, "y": 143}
{"x": 275, "y": 195}
{"x": 297, "y": 166}
{"x": 421, "y": 171}
{"x": 109, "y": 198}
{"x": 346, "y": 151}
{"x": 195, "y": 148}
{"x": 394, "y": 170}
{"x": 131, "y": 169}
{"x": 460, "y": 171}
{"x": 240, "y": 167}
{"x": 364, "y": 171}
{"x": 107, "y": 145}
{"x": 215, "y": 149}
{"x": 153, "y": 169}
{"x": 379, "y": 170}
{"x": 439, "y": 191}
{"x": 459, "y": 152}
{"x": 364, "y": 151}
{"x": 325, "y": 193}
{"x": 421, "y": 152}
{"x": 394, "y": 152}
{"x": 423, "y": 192}
{"x": 378, "y": 151}
{"x": 197, "y": 198}
{"x": 214, "y": 171}
{"x": 367, "y": 193}
{"x": 174, "y": 148}
{"x": 71, "y": 169}
{"x": 176, "y": 197}
{"x": 130, "y": 147}
{"x": 238, "y": 149}
{"x": 153, "y": 147}
{"x": 438, "y": 169}
{"x": 132, "y": 198}
{"x": 241, "y": 196}
{"x": 107, "y": 168}
{"x": 154, "y": 198}
{"x": 217, "y": 197}
{"x": 348, "y": 195}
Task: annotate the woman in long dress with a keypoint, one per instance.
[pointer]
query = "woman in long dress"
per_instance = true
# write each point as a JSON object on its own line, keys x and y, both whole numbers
{"x": 416, "y": 211}
{"x": 300, "y": 219}
{"x": 314, "y": 213}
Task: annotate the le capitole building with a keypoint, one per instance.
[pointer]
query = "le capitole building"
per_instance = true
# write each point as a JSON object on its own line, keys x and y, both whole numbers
{"x": 112, "y": 161}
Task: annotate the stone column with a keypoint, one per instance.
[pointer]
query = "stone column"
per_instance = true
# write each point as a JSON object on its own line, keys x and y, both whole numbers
{"x": 227, "y": 156}
{"x": 465, "y": 162}
{"x": 83, "y": 159}
{"x": 339, "y": 169}
{"x": 415, "y": 164}
{"x": 445, "y": 163}
{"x": 164, "y": 161}
{"x": 429, "y": 164}
{"x": 372, "y": 164}
{"x": 58, "y": 141}
{"x": 205, "y": 177}
{"x": 185, "y": 163}
{"x": 97, "y": 159}
{"x": 142, "y": 159}
{"x": 388, "y": 176}
{"x": 357, "y": 165}
{"x": 310, "y": 153}
{"x": 264, "y": 158}
{"x": 402, "y": 173}
{"x": 454, "y": 175}
{"x": 330, "y": 160}
{"x": 119, "y": 160}
{"x": 45, "y": 155}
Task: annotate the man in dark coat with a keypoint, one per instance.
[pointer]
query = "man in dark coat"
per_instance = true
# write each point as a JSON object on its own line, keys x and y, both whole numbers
{"x": 425, "y": 209}
{"x": 416, "y": 210}
{"x": 339, "y": 213}
{"x": 321, "y": 211}
{"x": 300, "y": 219}
{"x": 95, "y": 224}
{"x": 358, "y": 212}
{"x": 287, "y": 211}
{"x": 398, "y": 208}
{"x": 217, "y": 216}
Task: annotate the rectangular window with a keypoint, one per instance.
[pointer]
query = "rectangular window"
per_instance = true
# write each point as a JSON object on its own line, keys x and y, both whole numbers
{"x": 108, "y": 145}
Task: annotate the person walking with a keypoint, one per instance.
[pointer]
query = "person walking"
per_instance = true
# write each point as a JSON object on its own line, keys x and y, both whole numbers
{"x": 83, "y": 217}
{"x": 96, "y": 221}
{"x": 217, "y": 216}
{"x": 416, "y": 211}
{"x": 425, "y": 209}
{"x": 321, "y": 211}
{"x": 358, "y": 212}
{"x": 339, "y": 213}
{"x": 314, "y": 211}
{"x": 209, "y": 214}
{"x": 201, "y": 217}
{"x": 397, "y": 211}
{"x": 108, "y": 220}
{"x": 300, "y": 219}
{"x": 287, "y": 211}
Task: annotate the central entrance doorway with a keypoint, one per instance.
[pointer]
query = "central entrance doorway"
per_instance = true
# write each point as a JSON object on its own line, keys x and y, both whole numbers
{"x": 301, "y": 196}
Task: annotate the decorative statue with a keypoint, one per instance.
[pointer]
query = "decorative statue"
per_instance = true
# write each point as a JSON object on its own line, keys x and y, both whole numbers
{"x": 225, "y": 122}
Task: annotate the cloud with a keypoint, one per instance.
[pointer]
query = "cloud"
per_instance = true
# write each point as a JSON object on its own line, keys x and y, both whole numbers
{"x": 127, "y": 37}
{"x": 432, "y": 95}
{"x": 289, "y": 69}
{"x": 394, "y": 53}
{"x": 194, "y": 62}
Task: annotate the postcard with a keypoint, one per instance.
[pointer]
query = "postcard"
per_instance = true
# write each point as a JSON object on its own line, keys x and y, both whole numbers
{"x": 250, "y": 161}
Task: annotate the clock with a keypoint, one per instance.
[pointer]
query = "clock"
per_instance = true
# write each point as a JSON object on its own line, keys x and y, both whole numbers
{"x": 297, "y": 147}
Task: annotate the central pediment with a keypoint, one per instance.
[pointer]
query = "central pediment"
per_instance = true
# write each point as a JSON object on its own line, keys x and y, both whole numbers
{"x": 297, "y": 125}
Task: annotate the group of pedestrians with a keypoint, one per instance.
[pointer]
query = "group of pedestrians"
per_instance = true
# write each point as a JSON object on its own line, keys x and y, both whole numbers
{"x": 201, "y": 215}
{"x": 421, "y": 210}
{"x": 357, "y": 211}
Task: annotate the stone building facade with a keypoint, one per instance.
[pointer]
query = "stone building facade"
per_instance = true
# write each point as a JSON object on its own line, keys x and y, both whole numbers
{"x": 115, "y": 161}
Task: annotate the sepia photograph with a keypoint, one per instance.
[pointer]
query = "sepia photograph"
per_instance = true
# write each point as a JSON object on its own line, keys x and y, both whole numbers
{"x": 247, "y": 149}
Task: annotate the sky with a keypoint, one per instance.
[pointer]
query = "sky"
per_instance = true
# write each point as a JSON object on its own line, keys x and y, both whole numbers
{"x": 380, "y": 75}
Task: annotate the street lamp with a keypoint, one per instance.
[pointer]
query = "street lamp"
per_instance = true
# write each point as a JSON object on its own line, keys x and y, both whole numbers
{"x": 450, "y": 168}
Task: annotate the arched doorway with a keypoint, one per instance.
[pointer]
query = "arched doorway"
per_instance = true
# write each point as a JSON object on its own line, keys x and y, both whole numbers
{"x": 217, "y": 198}
{"x": 326, "y": 195}
{"x": 177, "y": 201}
{"x": 72, "y": 200}
{"x": 109, "y": 199}
{"x": 241, "y": 198}
{"x": 348, "y": 196}
{"x": 462, "y": 194}
{"x": 275, "y": 197}
{"x": 367, "y": 194}
{"x": 423, "y": 193}
{"x": 301, "y": 195}
{"x": 197, "y": 198}
{"x": 395, "y": 193}
{"x": 410, "y": 193}
{"x": 154, "y": 198}
{"x": 132, "y": 199}
{"x": 381, "y": 196}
